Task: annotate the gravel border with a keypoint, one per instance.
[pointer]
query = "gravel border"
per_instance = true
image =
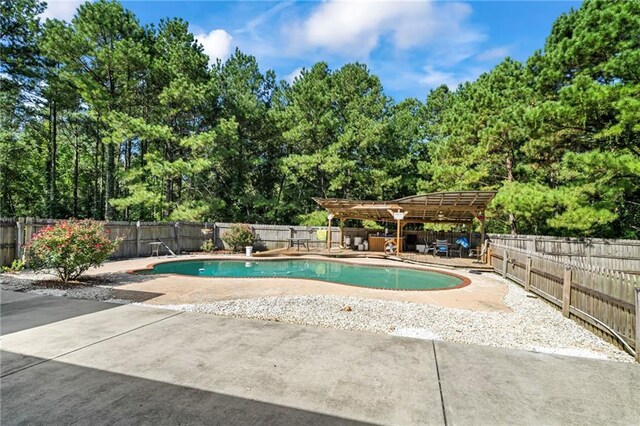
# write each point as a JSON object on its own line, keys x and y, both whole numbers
{"x": 533, "y": 324}
{"x": 28, "y": 282}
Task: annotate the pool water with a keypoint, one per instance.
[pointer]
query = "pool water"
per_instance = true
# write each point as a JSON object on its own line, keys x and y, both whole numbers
{"x": 343, "y": 273}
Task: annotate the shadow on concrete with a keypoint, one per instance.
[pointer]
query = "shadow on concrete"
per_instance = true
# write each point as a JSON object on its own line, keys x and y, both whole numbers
{"x": 21, "y": 311}
{"x": 121, "y": 278}
{"x": 53, "y": 392}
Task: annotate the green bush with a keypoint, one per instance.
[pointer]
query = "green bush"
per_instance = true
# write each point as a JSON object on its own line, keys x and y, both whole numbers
{"x": 238, "y": 237}
{"x": 70, "y": 248}
{"x": 208, "y": 246}
{"x": 16, "y": 266}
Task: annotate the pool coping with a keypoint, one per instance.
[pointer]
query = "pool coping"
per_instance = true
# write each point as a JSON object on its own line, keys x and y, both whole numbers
{"x": 465, "y": 280}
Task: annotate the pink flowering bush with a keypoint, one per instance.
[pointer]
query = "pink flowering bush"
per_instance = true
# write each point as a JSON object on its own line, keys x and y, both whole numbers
{"x": 70, "y": 248}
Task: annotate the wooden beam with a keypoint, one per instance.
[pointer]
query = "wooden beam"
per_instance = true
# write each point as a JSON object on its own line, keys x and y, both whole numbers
{"x": 482, "y": 236}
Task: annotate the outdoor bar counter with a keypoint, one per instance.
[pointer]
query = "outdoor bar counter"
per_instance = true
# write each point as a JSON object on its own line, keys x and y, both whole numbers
{"x": 376, "y": 242}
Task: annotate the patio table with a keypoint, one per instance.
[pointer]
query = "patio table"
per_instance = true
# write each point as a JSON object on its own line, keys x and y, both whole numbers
{"x": 155, "y": 248}
{"x": 304, "y": 242}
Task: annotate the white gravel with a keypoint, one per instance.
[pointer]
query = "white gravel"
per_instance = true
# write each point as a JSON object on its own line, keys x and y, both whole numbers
{"x": 29, "y": 283}
{"x": 533, "y": 325}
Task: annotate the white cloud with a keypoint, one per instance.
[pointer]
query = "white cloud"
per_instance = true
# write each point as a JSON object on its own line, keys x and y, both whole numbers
{"x": 355, "y": 27}
{"x": 61, "y": 9}
{"x": 293, "y": 75}
{"x": 264, "y": 17}
{"x": 495, "y": 53}
{"x": 217, "y": 44}
{"x": 432, "y": 77}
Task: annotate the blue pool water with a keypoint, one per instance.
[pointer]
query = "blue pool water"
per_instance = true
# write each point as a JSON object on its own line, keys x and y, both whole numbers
{"x": 336, "y": 272}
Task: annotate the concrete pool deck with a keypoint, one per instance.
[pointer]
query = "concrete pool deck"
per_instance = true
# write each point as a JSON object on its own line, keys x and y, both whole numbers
{"x": 485, "y": 293}
{"x": 67, "y": 361}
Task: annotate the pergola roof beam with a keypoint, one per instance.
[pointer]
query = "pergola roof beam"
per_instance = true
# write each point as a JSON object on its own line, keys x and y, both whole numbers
{"x": 457, "y": 207}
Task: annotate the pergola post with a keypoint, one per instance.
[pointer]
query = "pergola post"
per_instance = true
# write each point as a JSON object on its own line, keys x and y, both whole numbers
{"x": 329, "y": 218}
{"x": 398, "y": 237}
{"x": 341, "y": 225}
{"x": 482, "y": 235}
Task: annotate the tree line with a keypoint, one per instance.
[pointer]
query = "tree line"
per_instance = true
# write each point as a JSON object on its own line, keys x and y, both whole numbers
{"x": 105, "y": 118}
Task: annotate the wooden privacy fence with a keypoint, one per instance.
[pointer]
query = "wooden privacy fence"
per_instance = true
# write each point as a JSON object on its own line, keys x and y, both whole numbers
{"x": 604, "y": 301}
{"x": 617, "y": 255}
{"x": 178, "y": 236}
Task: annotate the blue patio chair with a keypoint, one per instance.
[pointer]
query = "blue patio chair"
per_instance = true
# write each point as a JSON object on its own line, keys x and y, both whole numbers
{"x": 441, "y": 247}
{"x": 462, "y": 244}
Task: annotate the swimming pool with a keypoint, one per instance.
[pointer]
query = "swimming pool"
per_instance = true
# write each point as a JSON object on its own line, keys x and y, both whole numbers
{"x": 381, "y": 277}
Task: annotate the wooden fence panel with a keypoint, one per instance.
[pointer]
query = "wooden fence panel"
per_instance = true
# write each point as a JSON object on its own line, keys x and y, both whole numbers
{"x": 617, "y": 255}
{"x": 600, "y": 299}
{"x": 193, "y": 234}
{"x": 126, "y": 232}
{"x": 8, "y": 237}
{"x": 151, "y": 232}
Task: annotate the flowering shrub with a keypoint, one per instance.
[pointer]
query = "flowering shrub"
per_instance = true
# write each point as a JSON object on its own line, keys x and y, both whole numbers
{"x": 70, "y": 248}
{"x": 238, "y": 237}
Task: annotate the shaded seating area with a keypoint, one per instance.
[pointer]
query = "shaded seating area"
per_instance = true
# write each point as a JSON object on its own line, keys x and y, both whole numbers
{"x": 459, "y": 207}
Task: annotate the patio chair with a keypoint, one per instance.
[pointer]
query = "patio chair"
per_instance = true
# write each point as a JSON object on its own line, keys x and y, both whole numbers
{"x": 423, "y": 246}
{"x": 430, "y": 247}
{"x": 441, "y": 247}
{"x": 462, "y": 243}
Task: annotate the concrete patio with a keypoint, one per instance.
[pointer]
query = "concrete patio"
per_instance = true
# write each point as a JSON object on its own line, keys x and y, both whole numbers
{"x": 77, "y": 361}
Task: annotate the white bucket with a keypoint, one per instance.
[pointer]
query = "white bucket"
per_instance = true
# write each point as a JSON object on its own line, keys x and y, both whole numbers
{"x": 347, "y": 241}
{"x": 248, "y": 250}
{"x": 357, "y": 241}
{"x": 360, "y": 247}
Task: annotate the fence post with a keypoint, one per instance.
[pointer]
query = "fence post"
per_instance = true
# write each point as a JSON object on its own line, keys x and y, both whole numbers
{"x": 28, "y": 230}
{"x": 19, "y": 241}
{"x": 527, "y": 276}
{"x": 176, "y": 235}
{"x": 637, "y": 289}
{"x": 214, "y": 236}
{"x": 566, "y": 291}
{"x": 505, "y": 262}
{"x": 138, "y": 239}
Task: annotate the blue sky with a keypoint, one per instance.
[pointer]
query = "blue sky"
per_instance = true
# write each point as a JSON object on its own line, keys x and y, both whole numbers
{"x": 412, "y": 46}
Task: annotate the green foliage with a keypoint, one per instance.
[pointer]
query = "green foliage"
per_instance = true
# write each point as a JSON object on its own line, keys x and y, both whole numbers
{"x": 439, "y": 227}
{"x": 16, "y": 266}
{"x": 103, "y": 117}
{"x": 315, "y": 218}
{"x": 370, "y": 224}
{"x": 70, "y": 248}
{"x": 238, "y": 237}
{"x": 208, "y": 246}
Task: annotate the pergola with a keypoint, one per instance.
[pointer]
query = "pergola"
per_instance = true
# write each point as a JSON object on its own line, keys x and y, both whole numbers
{"x": 460, "y": 207}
